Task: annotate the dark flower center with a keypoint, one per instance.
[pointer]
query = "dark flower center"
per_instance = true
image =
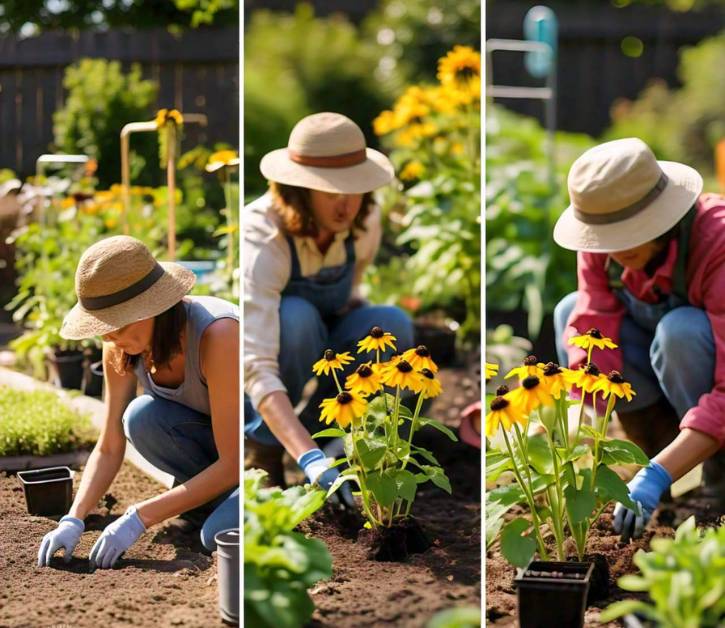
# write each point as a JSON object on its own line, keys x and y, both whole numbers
{"x": 364, "y": 371}
{"x": 595, "y": 333}
{"x": 499, "y": 403}
{"x": 377, "y": 332}
{"x": 530, "y": 360}
{"x": 616, "y": 377}
{"x": 344, "y": 398}
{"x": 502, "y": 390}
{"x": 592, "y": 369}
{"x": 329, "y": 355}
{"x": 531, "y": 382}
{"x": 422, "y": 351}
{"x": 403, "y": 367}
{"x": 551, "y": 368}
{"x": 428, "y": 373}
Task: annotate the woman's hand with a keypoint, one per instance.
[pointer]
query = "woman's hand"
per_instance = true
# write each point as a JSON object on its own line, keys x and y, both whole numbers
{"x": 66, "y": 536}
{"x": 116, "y": 539}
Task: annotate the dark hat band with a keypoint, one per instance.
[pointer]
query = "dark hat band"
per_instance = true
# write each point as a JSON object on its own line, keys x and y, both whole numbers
{"x": 109, "y": 300}
{"x": 333, "y": 161}
{"x": 626, "y": 212}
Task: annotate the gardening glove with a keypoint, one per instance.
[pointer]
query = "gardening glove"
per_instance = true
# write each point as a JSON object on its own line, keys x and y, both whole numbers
{"x": 645, "y": 491}
{"x": 116, "y": 539}
{"x": 66, "y": 535}
{"x": 317, "y": 471}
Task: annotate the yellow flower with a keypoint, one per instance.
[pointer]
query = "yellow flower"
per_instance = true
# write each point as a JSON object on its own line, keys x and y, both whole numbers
{"x": 376, "y": 340}
{"x": 614, "y": 384}
{"x": 585, "y": 377}
{"x": 220, "y": 159}
{"x": 460, "y": 72}
{"x": 331, "y": 360}
{"x": 592, "y": 338}
{"x": 427, "y": 384}
{"x": 555, "y": 379}
{"x": 419, "y": 358}
{"x": 530, "y": 395}
{"x": 386, "y": 122}
{"x": 344, "y": 408}
{"x": 504, "y": 413}
{"x": 163, "y": 116}
{"x": 399, "y": 373}
{"x": 364, "y": 381}
{"x": 491, "y": 370}
{"x": 530, "y": 367}
{"x": 412, "y": 170}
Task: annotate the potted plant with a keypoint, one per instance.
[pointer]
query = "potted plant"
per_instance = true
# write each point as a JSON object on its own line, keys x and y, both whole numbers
{"x": 48, "y": 492}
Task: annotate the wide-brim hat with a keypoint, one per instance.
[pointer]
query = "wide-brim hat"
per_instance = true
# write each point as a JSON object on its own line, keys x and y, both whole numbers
{"x": 327, "y": 151}
{"x": 622, "y": 197}
{"x": 118, "y": 282}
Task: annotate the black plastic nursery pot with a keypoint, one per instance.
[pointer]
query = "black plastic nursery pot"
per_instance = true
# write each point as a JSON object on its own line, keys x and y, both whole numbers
{"x": 440, "y": 341}
{"x": 227, "y": 547}
{"x": 553, "y": 594}
{"x": 93, "y": 380}
{"x": 48, "y": 492}
{"x": 66, "y": 368}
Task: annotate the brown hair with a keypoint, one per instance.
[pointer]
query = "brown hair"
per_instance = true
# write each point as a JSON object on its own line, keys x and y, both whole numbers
{"x": 292, "y": 204}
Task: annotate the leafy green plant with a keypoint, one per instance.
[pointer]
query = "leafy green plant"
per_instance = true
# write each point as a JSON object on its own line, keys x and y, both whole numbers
{"x": 279, "y": 563}
{"x": 683, "y": 578}
{"x": 38, "y": 423}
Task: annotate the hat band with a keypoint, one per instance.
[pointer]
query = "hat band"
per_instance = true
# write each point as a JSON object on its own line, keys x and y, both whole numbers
{"x": 626, "y": 212}
{"x": 109, "y": 300}
{"x": 332, "y": 161}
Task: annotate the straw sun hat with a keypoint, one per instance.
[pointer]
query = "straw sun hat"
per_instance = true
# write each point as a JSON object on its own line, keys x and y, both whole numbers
{"x": 622, "y": 197}
{"x": 326, "y": 151}
{"x": 119, "y": 282}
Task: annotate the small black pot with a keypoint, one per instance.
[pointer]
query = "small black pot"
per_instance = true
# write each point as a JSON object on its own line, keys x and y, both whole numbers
{"x": 48, "y": 492}
{"x": 67, "y": 368}
{"x": 441, "y": 341}
{"x": 553, "y": 594}
{"x": 93, "y": 380}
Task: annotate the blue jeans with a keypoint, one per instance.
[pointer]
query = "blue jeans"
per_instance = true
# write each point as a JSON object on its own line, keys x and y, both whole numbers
{"x": 672, "y": 354}
{"x": 179, "y": 441}
{"x": 304, "y": 335}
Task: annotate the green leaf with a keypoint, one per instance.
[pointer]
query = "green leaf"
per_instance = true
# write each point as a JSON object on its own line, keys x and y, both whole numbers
{"x": 630, "y": 582}
{"x": 438, "y": 477}
{"x": 428, "y": 455}
{"x": 539, "y": 455}
{"x": 577, "y": 452}
{"x": 616, "y": 451}
{"x": 339, "y": 480}
{"x": 439, "y": 426}
{"x": 331, "y": 432}
{"x": 383, "y": 487}
{"x": 371, "y": 453}
{"x": 406, "y": 484}
{"x": 507, "y": 495}
{"x": 625, "y": 607}
{"x": 579, "y": 503}
{"x": 516, "y": 548}
{"x": 613, "y": 487}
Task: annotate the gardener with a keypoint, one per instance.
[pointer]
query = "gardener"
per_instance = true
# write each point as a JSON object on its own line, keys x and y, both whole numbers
{"x": 651, "y": 274}
{"x": 184, "y": 352}
{"x": 307, "y": 243}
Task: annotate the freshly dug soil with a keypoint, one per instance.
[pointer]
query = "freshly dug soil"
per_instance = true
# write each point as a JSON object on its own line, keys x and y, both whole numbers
{"x": 364, "y": 592}
{"x": 396, "y": 543}
{"x": 163, "y": 580}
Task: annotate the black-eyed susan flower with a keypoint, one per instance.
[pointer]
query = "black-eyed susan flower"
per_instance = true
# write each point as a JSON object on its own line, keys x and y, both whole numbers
{"x": 460, "y": 72}
{"x": 220, "y": 159}
{"x": 491, "y": 370}
{"x": 400, "y": 373}
{"x": 419, "y": 358}
{"x": 502, "y": 390}
{"x": 530, "y": 368}
{"x": 364, "y": 381}
{"x": 168, "y": 115}
{"x": 555, "y": 379}
{"x": 593, "y": 338}
{"x": 530, "y": 395}
{"x": 585, "y": 377}
{"x": 330, "y": 361}
{"x": 614, "y": 384}
{"x": 503, "y": 413}
{"x": 344, "y": 408}
{"x": 376, "y": 340}
{"x": 428, "y": 385}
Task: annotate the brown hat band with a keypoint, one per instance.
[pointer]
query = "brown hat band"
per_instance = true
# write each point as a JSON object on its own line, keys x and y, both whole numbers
{"x": 333, "y": 161}
{"x": 626, "y": 212}
{"x": 109, "y": 300}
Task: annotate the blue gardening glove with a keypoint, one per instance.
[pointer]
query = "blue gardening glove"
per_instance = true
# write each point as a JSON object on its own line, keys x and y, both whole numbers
{"x": 645, "y": 490}
{"x": 66, "y": 535}
{"x": 116, "y": 539}
{"x": 317, "y": 471}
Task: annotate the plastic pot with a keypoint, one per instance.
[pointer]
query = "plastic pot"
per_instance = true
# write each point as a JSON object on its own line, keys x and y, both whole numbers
{"x": 553, "y": 594}
{"x": 440, "y": 340}
{"x": 93, "y": 380}
{"x": 48, "y": 492}
{"x": 66, "y": 368}
{"x": 227, "y": 547}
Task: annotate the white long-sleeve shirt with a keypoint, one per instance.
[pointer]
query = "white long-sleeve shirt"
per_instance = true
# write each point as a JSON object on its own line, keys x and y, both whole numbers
{"x": 266, "y": 268}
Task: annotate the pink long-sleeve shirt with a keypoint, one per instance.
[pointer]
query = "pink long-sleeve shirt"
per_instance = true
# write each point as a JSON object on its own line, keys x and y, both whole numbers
{"x": 598, "y": 306}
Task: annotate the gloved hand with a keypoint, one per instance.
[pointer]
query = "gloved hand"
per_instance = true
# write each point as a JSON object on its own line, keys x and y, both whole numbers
{"x": 66, "y": 535}
{"x": 317, "y": 470}
{"x": 645, "y": 490}
{"x": 116, "y": 539}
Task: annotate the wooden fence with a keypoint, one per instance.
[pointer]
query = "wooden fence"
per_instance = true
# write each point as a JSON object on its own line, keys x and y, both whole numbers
{"x": 197, "y": 71}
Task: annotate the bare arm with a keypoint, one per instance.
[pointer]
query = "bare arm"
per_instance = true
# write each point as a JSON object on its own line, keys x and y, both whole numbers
{"x": 107, "y": 456}
{"x": 279, "y": 415}
{"x": 685, "y": 452}
{"x": 219, "y": 354}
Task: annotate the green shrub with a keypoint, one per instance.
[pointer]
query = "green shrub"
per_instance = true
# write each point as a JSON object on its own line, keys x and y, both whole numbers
{"x": 39, "y": 424}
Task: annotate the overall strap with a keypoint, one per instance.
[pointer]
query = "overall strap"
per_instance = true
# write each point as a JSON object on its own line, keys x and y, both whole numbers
{"x": 679, "y": 279}
{"x": 350, "y": 248}
{"x": 295, "y": 272}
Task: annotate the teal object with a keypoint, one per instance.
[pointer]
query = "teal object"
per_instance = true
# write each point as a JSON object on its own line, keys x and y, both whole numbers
{"x": 541, "y": 25}
{"x": 199, "y": 268}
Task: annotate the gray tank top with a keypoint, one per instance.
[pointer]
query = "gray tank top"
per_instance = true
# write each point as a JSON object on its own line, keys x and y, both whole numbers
{"x": 201, "y": 312}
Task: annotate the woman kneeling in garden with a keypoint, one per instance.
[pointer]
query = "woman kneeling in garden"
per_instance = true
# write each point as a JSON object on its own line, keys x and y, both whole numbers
{"x": 651, "y": 278}
{"x": 184, "y": 352}
{"x": 307, "y": 243}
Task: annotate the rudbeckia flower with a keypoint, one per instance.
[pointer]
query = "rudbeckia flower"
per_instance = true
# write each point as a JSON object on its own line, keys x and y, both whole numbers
{"x": 614, "y": 384}
{"x": 428, "y": 385}
{"x": 491, "y": 370}
{"x": 530, "y": 368}
{"x": 344, "y": 408}
{"x": 400, "y": 373}
{"x": 419, "y": 358}
{"x": 592, "y": 339}
{"x": 168, "y": 115}
{"x": 585, "y": 377}
{"x": 555, "y": 379}
{"x": 220, "y": 159}
{"x": 331, "y": 360}
{"x": 504, "y": 413}
{"x": 364, "y": 381}
{"x": 376, "y": 340}
{"x": 530, "y": 395}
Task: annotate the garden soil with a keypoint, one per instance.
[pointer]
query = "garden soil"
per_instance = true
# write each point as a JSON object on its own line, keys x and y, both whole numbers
{"x": 163, "y": 580}
{"x": 365, "y": 592}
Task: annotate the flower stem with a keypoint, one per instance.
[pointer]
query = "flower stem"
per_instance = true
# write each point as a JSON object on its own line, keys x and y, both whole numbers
{"x": 337, "y": 382}
{"x": 412, "y": 427}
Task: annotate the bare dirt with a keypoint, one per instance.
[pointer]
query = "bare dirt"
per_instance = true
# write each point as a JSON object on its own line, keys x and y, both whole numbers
{"x": 163, "y": 580}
